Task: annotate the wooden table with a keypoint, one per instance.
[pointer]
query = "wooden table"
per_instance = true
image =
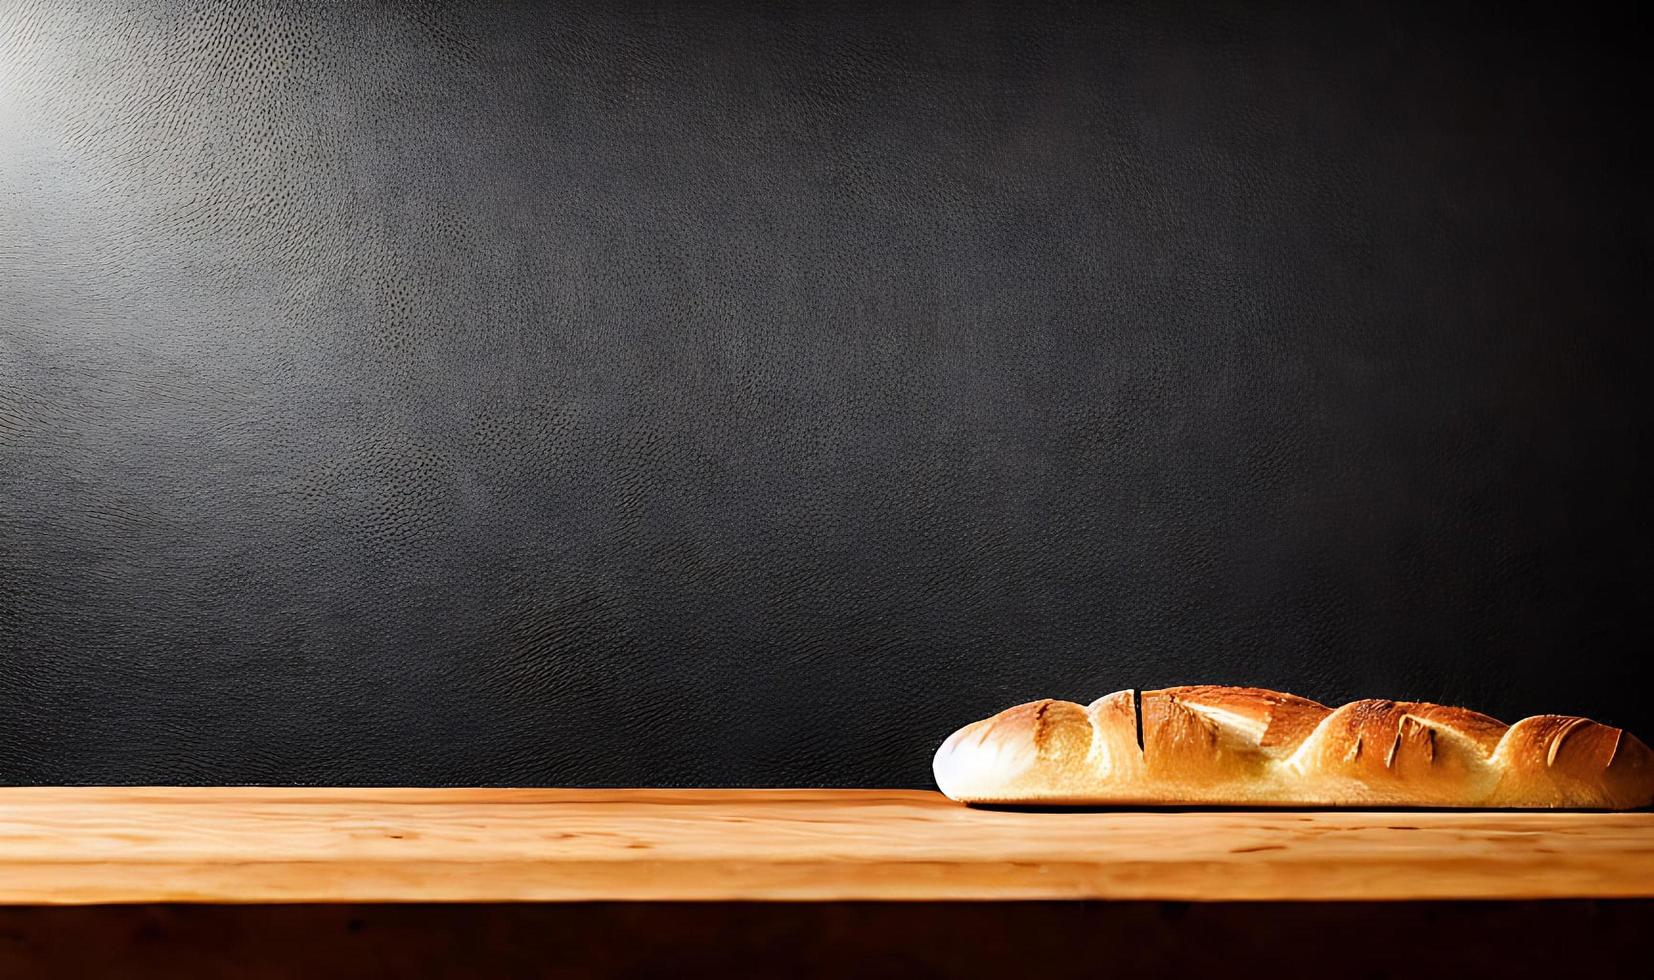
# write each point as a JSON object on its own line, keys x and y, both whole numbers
{"x": 247, "y": 845}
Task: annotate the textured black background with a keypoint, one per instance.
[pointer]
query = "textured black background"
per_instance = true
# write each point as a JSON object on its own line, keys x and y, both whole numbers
{"x": 752, "y": 393}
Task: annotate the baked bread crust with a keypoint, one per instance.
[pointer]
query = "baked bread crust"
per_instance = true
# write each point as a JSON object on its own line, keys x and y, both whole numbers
{"x": 1246, "y": 746}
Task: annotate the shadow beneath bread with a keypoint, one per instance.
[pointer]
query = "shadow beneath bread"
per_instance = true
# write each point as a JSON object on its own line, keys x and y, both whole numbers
{"x": 1210, "y": 808}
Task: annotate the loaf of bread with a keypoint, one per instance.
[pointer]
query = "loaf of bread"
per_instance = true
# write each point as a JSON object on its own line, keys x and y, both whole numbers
{"x": 1243, "y": 746}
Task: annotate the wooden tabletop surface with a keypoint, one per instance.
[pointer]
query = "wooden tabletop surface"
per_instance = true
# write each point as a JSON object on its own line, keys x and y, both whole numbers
{"x": 97, "y": 845}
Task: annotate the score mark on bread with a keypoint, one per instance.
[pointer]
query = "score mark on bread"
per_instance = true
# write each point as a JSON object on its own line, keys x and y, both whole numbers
{"x": 1245, "y": 746}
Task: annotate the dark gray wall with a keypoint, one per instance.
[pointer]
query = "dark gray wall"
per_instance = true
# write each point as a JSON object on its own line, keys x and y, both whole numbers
{"x": 752, "y": 393}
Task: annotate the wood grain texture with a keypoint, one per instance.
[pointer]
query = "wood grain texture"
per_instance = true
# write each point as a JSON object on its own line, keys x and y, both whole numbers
{"x": 100, "y": 845}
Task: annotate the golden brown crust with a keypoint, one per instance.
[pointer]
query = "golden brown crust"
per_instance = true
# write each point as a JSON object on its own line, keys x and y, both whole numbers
{"x": 1574, "y": 762}
{"x": 1481, "y": 730}
{"x": 1283, "y": 719}
{"x": 1250, "y": 746}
